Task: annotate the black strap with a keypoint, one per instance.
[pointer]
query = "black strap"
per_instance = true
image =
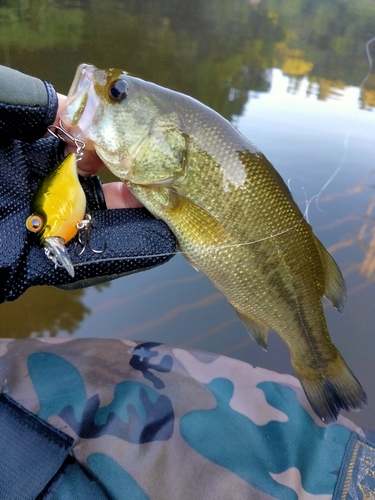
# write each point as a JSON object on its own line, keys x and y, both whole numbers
{"x": 31, "y": 451}
{"x": 35, "y": 459}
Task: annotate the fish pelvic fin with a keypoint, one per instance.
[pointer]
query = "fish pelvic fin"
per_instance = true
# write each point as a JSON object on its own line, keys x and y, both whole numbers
{"x": 331, "y": 389}
{"x": 334, "y": 284}
{"x": 256, "y": 330}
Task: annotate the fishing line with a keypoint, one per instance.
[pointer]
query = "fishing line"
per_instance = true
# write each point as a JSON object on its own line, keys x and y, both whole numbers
{"x": 208, "y": 248}
{"x": 214, "y": 247}
{"x": 307, "y": 201}
{"x": 338, "y": 169}
{"x": 350, "y": 131}
{"x": 370, "y": 61}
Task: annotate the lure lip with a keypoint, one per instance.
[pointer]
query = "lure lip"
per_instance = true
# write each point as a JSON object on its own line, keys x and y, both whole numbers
{"x": 56, "y": 251}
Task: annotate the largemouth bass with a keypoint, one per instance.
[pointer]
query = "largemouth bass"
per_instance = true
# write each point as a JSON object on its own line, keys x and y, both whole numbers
{"x": 57, "y": 205}
{"x": 233, "y": 216}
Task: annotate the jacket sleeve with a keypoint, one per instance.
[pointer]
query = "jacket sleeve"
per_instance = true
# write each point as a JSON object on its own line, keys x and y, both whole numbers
{"x": 27, "y": 106}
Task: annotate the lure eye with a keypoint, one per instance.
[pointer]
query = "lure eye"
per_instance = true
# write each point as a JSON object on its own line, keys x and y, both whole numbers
{"x": 118, "y": 90}
{"x": 34, "y": 223}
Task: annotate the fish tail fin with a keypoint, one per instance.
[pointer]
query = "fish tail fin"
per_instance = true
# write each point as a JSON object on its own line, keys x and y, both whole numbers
{"x": 332, "y": 389}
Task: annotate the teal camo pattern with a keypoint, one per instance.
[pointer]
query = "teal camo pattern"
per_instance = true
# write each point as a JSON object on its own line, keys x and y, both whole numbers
{"x": 157, "y": 422}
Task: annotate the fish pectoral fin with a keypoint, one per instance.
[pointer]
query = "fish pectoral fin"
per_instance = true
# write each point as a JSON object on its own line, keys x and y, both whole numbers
{"x": 195, "y": 223}
{"x": 334, "y": 284}
{"x": 256, "y": 330}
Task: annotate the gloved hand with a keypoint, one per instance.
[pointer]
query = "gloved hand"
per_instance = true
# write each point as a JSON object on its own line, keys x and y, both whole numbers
{"x": 132, "y": 239}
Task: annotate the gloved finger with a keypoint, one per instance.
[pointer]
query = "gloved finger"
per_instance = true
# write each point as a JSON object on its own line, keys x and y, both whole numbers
{"x": 122, "y": 241}
{"x": 130, "y": 240}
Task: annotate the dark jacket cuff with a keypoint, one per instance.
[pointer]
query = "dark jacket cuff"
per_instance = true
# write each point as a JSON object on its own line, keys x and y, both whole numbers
{"x": 28, "y": 122}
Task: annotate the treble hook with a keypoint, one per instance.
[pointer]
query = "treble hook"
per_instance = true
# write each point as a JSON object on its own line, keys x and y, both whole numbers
{"x": 60, "y": 132}
{"x": 84, "y": 234}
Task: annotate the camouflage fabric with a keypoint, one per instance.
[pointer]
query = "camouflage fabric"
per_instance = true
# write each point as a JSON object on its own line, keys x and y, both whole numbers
{"x": 158, "y": 422}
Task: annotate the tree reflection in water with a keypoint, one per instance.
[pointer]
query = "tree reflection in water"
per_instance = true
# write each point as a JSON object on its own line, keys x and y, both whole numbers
{"x": 43, "y": 311}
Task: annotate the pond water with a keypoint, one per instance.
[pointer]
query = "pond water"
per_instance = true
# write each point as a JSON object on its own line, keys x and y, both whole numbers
{"x": 295, "y": 79}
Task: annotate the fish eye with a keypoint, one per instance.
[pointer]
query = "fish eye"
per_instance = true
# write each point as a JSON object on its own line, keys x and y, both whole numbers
{"x": 118, "y": 90}
{"x": 34, "y": 223}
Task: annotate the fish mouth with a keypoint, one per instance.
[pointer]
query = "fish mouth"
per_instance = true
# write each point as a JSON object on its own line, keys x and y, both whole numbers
{"x": 56, "y": 251}
{"x": 82, "y": 103}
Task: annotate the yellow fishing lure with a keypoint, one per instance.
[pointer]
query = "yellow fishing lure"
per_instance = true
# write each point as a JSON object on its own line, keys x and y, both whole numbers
{"x": 58, "y": 205}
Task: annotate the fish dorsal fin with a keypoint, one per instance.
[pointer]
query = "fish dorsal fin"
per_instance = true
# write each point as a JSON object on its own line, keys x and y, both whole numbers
{"x": 334, "y": 284}
{"x": 256, "y": 330}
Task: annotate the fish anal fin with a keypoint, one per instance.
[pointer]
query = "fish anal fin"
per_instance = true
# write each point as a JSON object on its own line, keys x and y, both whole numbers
{"x": 334, "y": 284}
{"x": 256, "y": 330}
{"x": 331, "y": 389}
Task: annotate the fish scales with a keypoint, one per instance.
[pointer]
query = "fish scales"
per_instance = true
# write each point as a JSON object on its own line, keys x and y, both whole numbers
{"x": 254, "y": 270}
{"x": 232, "y": 214}
{"x": 235, "y": 270}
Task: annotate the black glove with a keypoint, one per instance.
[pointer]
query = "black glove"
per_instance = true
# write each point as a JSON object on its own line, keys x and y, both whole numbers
{"x": 132, "y": 239}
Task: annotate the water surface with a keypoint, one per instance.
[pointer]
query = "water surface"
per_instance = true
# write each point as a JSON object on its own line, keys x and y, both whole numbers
{"x": 289, "y": 77}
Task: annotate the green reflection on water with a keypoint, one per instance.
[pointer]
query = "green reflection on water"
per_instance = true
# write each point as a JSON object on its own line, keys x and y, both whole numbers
{"x": 214, "y": 50}
{"x": 43, "y": 311}
{"x": 38, "y": 24}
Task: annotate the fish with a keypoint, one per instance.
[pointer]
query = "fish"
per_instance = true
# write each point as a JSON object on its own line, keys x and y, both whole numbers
{"x": 232, "y": 214}
{"x": 58, "y": 204}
